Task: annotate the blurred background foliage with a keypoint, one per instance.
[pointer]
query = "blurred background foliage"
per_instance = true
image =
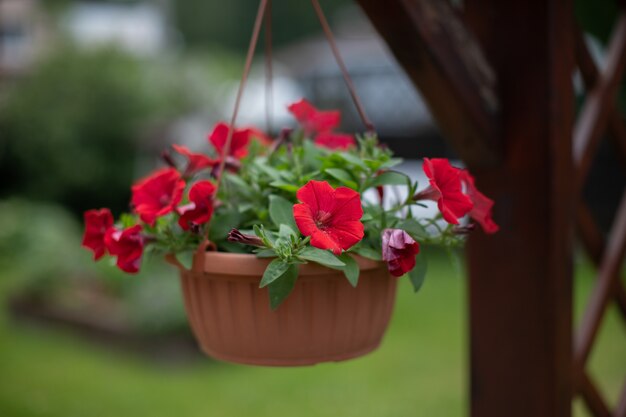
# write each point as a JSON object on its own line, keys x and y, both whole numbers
{"x": 80, "y": 113}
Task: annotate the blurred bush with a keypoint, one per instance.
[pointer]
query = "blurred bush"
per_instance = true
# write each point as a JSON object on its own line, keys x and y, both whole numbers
{"x": 41, "y": 259}
{"x": 70, "y": 129}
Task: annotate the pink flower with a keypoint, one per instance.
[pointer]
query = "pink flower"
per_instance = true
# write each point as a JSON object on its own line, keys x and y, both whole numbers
{"x": 445, "y": 189}
{"x": 97, "y": 222}
{"x": 157, "y": 194}
{"x": 127, "y": 245}
{"x": 332, "y": 217}
{"x": 200, "y": 210}
{"x": 399, "y": 251}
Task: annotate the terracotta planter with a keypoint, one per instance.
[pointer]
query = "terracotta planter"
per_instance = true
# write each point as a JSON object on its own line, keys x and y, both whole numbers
{"x": 324, "y": 319}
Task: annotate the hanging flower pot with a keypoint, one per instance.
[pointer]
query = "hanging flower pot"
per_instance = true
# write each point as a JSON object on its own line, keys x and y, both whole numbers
{"x": 323, "y": 319}
{"x": 295, "y": 253}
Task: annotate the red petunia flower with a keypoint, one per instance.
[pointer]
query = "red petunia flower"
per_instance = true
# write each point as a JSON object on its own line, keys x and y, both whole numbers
{"x": 97, "y": 222}
{"x": 483, "y": 205}
{"x": 239, "y": 143}
{"x": 158, "y": 194}
{"x": 341, "y": 141}
{"x": 196, "y": 161}
{"x": 399, "y": 250}
{"x": 330, "y": 216}
{"x": 127, "y": 245}
{"x": 259, "y": 136}
{"x": 313, "y": 120}
{"x": 445, "y": 189}
{"x": 200, "y": 210}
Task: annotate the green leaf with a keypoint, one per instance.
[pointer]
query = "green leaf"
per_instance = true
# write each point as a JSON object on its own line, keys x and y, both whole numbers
{"x": 352, "y": 159}
{"x": 413, "y": 228}
{"x": 342, "y": 176}
{"x": 185, "y": 258}
{"x": 265, "y": 253}
{"x": 236, "y": 183}
{"x": 351, "y": 270}
{"x": 282, "y": 286}
{"x": 271, "y": 172}
{"x": 274, "y": 270}
{"x": 128, "y": 220}
{"x": 266, "y": 236}
{"x": 367, "y": 217}
{"x": 417, "y": 274}
{"x": 281, "y": 212}
{"x": 281, "y": 185}
{"x": 391, "y": 163}
{"x": 322, "y": 257}
{"x": 369, "y": 253}
{"x": 390, "y": 178}
{"x": 286, "y": 232}
{"x": 222, "y": 223}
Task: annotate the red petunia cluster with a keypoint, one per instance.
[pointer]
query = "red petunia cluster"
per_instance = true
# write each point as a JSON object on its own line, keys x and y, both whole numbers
{"x": 161, "y": 193}
{"x": 446, "y": 188}
{"x": 102, "y": 237}
{"x": 321, "y": 124}
{"x": 153, "y": 197}
{"x": 331, "y": 217}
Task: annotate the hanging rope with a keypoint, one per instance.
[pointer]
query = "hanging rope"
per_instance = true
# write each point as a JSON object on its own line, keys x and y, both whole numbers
{"x": 269, "y": 93}
{"x": 346, "y": 76}
{"x": 231, "y": 128}
{"x": 242, "y": 85}
{"x": 264, "y": 15}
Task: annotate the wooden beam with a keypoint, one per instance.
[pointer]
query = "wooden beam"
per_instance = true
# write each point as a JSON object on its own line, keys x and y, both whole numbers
{"x": 446, "y": 64}
{"x": 593, "y": 398}
{"x": 600, "y": 102}
{"x": 520, "y": 285}
{"x": 607, "y": 286}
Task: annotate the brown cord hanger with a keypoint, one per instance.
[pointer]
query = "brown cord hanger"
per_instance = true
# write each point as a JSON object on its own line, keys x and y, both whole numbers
{"x": 264, "y": 14}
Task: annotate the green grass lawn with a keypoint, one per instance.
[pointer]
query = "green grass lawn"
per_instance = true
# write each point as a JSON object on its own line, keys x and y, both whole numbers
{"x": 419, "y": 370}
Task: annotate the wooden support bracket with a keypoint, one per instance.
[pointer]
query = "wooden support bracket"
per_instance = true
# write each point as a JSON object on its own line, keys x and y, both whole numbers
{"x": 447, "y": 65}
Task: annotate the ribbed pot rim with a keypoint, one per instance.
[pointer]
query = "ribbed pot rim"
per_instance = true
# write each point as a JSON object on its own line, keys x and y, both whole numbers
{"x": 248, "y": 265}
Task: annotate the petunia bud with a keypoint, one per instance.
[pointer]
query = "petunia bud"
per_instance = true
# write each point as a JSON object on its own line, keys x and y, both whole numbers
{"x": 237, "y": 237}
{"x": 399, "y": 251}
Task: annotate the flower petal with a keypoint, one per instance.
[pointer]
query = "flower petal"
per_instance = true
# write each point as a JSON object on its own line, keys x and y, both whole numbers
{"x": 158, "y": 194}
{"x": 97, "y": 222}
{"x": 446, "y": 179}
{"x": 482, "y": 211}
{"x": 347, "y": 206}
{"x": 313, "y": 120}
{"x": 318, "y": 195}
{"x": 341, "y": 141}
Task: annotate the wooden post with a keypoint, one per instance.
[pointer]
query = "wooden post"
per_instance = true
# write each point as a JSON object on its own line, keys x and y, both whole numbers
{"x": 520, "y": 286}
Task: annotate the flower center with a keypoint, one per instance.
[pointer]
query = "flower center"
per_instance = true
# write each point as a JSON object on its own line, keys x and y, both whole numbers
{"x": 322, "y": 218}
{"x": 164, "y": 200}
